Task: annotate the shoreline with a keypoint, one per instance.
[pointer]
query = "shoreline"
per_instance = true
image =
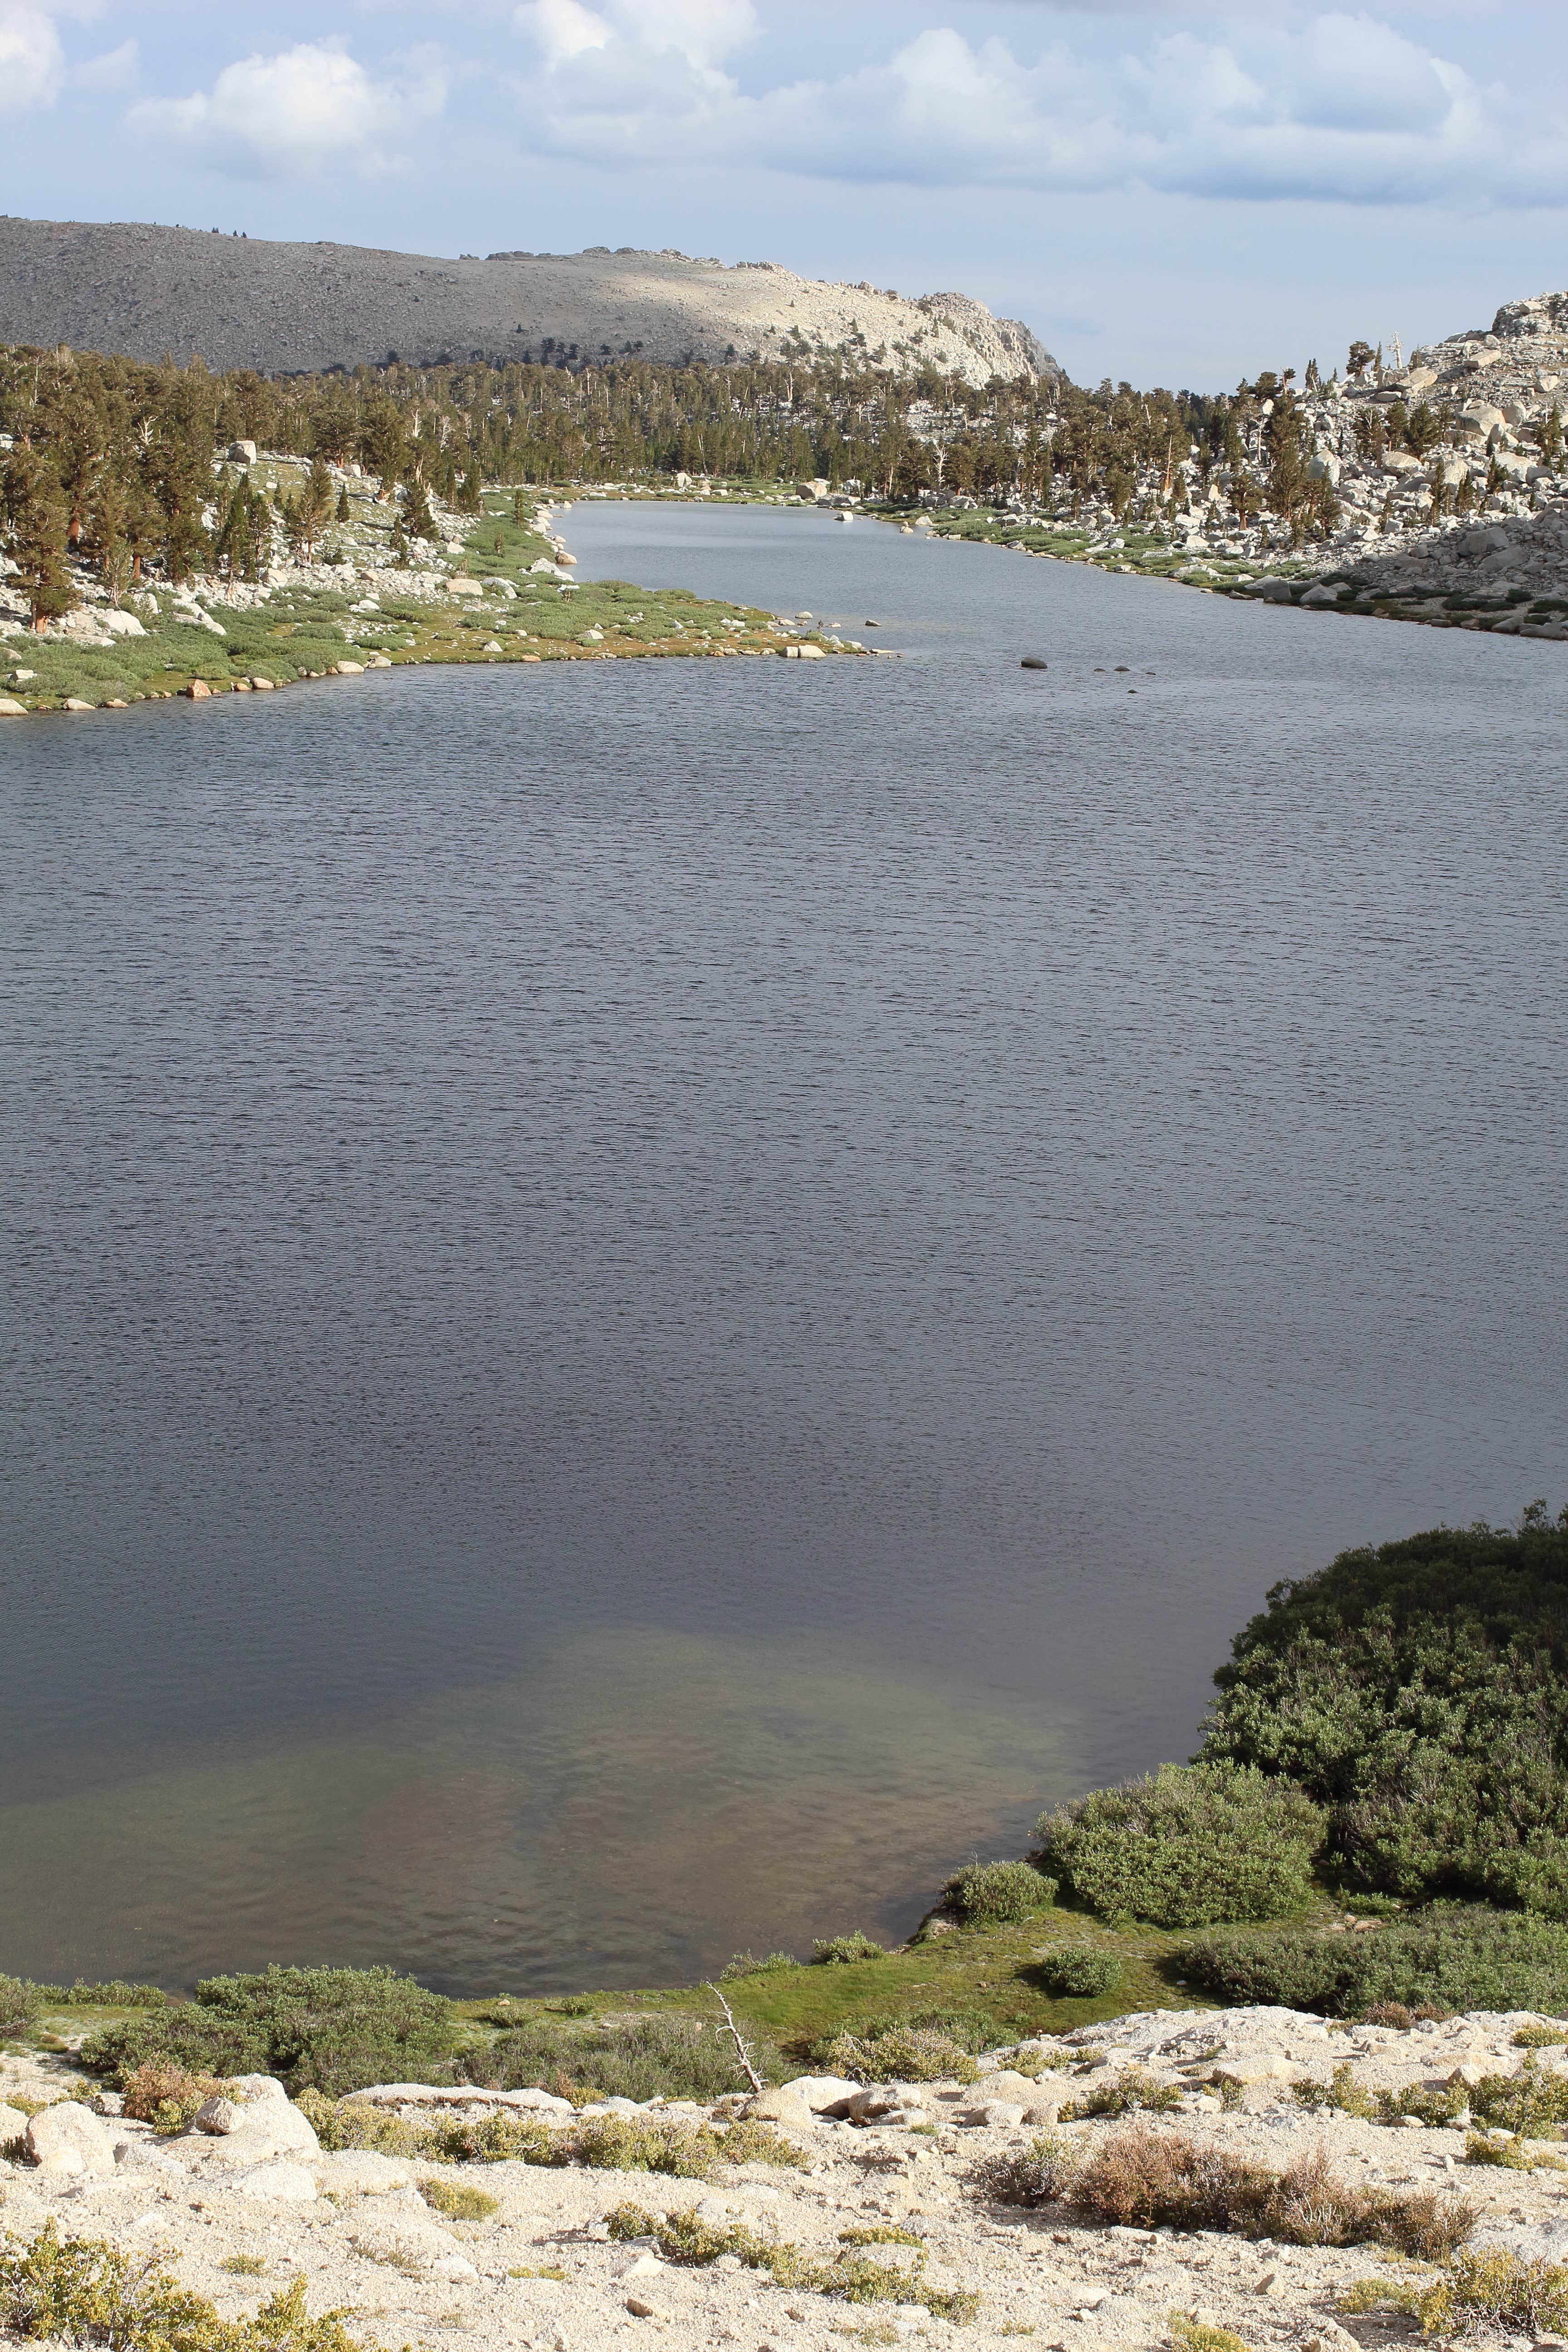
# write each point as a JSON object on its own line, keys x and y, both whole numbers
{"x": 494, "y": 590}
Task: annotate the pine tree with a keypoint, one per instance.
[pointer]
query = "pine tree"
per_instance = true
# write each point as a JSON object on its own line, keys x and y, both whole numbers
{"x": 105, "y": 538}
{"x": 418, "y": 520}
{"x": 316, "y": 503}
{"x": 342, "y": 512}
{"x": 36, "y": 518}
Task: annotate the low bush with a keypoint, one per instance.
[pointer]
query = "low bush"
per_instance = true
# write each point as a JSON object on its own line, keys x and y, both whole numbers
{"x": 746, "y": 1964}
{"x": 1041, "y": 2174}
{"x": 838, "y": 1951}
{"x": 654, "y": 2057}
{"x": 500, "y": 2137}
{"x": 1125, "y": 2095}
{"x": 1454, "y": 1955}
{"x": 1540, "y": 2037}
{"x": 85, "y": 2291}
{"x": 651, "y": 2143}
{"x": 1530, "y": 2102}
{"x": 351, "y": 2123}
{"x": 643, "y": 2144}
{"x": 1512, "y": 2155}
{"x": 852, "y": 2275}
{"x": 458, "y": 2201}
{"x": 333, "y": 2030}
{"x": 998, "y": 1894}
{"x": 1197, "y": 2335}
{"x": 1494, "y": 2291}
{"x": 116, "y": 1994}
{"x": 20, "y": 2005}
{"x": 1149, "y": 2180}
{"x": 1077, "y": 1971}
{"x": 1186, "y": 1847}
{"x": 898, "y": 2054}
{"x": 166, "y": 2096}
{"x": 1395, "y": 2013}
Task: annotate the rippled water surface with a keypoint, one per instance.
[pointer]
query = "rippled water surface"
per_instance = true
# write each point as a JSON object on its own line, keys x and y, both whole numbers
{"x": 645, "y": 1301}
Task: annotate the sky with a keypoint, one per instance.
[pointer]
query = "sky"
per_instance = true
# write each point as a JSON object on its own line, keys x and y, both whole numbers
{"x": 1174, "y": 193}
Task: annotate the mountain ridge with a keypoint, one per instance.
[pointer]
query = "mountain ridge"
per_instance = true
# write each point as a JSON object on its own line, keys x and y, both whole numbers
{"x": 284, "y": 307}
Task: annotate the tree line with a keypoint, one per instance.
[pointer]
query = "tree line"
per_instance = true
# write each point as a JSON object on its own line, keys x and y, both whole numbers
{"x": 112, "y": 460}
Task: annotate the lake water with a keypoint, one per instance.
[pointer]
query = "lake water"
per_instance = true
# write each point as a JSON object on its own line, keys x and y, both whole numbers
{"x": 644, "y": 1303}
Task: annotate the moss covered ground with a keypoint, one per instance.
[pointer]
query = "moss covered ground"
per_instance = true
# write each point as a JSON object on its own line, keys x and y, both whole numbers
{"x": 990, "y": 1980}
{"x": 975, "y": 1974}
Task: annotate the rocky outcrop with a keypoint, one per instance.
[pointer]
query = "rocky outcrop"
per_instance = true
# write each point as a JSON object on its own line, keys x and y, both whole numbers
{"x": 135, "y": 287}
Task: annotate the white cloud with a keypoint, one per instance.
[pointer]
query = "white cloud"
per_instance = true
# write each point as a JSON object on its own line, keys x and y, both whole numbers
{"x": 295, "y": 114}
{"x": 32, "y": 63}
{"x": 1340, "y": 106}
{"x": 112, "y": 70}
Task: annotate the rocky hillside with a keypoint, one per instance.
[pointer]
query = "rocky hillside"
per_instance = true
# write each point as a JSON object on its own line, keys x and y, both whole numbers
{"x": 1258, "y": 2170}
{"x": 143, "y": 290}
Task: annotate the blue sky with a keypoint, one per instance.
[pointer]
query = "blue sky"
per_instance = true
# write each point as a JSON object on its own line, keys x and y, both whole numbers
{"x": 1173, "y": 192}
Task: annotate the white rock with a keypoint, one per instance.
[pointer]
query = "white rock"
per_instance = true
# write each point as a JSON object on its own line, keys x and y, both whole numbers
{"x": 995, "y": 2114}
{"x": 120, "y": 625}
{"x": 821, "y": 2091}
{"x": 70, "y": 2139}
{"x": 13, "y": 2124}
{"x": 465, "y": 2094}
{"x": 10, "y": 709}
{"x": 459, "y": 584}
{"x": 278, "y": 2180}
{"x": 364, "y": 2172}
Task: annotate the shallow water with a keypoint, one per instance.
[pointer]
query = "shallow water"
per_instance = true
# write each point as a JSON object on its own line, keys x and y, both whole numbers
{"x": 645, "y": 1302}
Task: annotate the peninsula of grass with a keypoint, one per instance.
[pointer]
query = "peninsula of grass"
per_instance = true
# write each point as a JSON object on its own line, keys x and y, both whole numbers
{"x": 508, "y": 612}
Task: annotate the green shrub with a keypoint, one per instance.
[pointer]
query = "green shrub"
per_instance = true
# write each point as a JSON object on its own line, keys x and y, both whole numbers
{"x": 19, "y": 2005}
{"x": 838, "y": 1951}
{"x": 1040, "y": 2174}
{"x": 116, "y": 1994}
{"x": 746, "y": 1964}
{"x": 898, "y": 2054}
{"x": 852, "y": 2275}
{"x": 998, "y": 1894}
{"x": 334, "y": 2030}
{"x": 500, "y": 2137}
{"x": 458, "y": 2201}
{"x": 1455, "y": 1956}
{"x": 84, "y": 2291}
{"x": 670, "y": 2057}
{"x": 166, "y": 2096}
{"x": 1419, "y": 1692}
{"x": 1078, "y": 1972}
{"x": 351, "y": 2123}
{"x": 1495, "y": 2289}
{"x": 1187, "y": 1846}
{"x": 1125, "y": 2095}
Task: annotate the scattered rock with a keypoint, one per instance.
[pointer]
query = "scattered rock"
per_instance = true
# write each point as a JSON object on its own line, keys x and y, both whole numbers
{"x": 198, "y": 690}
{"x": 821, "y": 2093}
{"x": 69, "y": 2140}
{"x": 783, "y": 2106}
{"x": 277, "y": 2180}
